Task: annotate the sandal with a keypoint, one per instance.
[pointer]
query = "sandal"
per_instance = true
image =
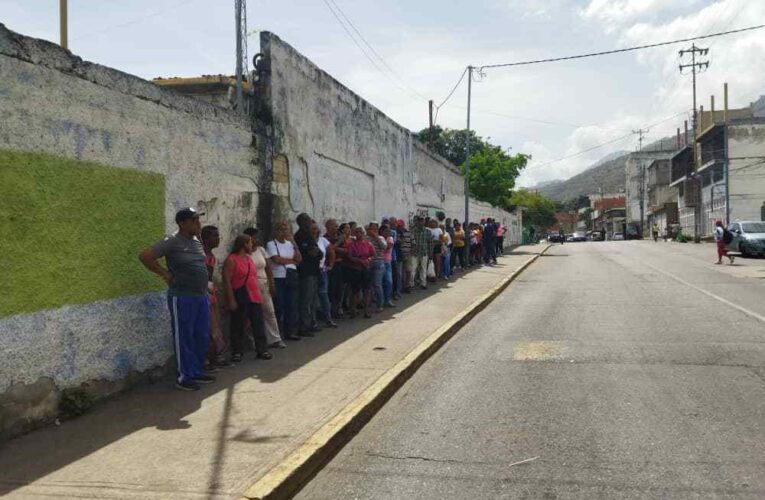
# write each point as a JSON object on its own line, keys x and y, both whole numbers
{"x": 236, "y": 357}
{"x": 265, "y": 355}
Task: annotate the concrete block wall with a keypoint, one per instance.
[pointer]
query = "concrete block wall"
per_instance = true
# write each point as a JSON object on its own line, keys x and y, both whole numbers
{"x": 53, "y": 102}
{"x": 341, "y": 157}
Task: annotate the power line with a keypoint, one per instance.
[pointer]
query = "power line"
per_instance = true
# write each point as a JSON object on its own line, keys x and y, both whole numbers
{"x": 334, "y": 8}
{"x": 618, "y": 139}
{"x": 134, "y": 21}
{"x": 438, "y": 107}
{"x": 617, "y": 51}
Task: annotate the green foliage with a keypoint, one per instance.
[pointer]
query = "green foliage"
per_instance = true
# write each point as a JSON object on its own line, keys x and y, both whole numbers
{"x": 72, "y": 230}
{"x": 585, "y": 215}
{"x": 451, "y": 143}
{"x": 538, "y": 211}
{"x": 492, "y": 170}
{"x": 74, "y": 402}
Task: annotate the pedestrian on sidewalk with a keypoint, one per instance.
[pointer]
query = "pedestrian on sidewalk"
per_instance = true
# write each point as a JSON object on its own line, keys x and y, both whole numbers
{"x": 418, "y": 267}
{"x": 324, "y": 309}
{"x": 216, "y": 351}
{"x": 308, "y": 273}
{"x": 446, "y": 254}
{"x": 655, "y": 232}
{"x": 720, "y": 238}
{"x": 378, "y": 264}
{"x": 243, "y": 299}
{"x": 489, "y": 233}
{"x": 187, "y": 296}
{"x": 359, "y": 273}
{"x": 336, "y": 238}
{"x": 284, "y": 257}
{"x": 267, "y": 290}
{"x": 436, "y": 245}
{"x": 395, "y": 263}
{"x": 404, "y": 254}
{"x": 385, "y": 234}
{"x": 500, "y": 240}
{"x": 458, "y": 255}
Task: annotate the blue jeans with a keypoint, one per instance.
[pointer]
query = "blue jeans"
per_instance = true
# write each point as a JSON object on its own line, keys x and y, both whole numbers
{"x": 446, "y": 266}
{"x": 324, "y": 296}
{"x": 378, "y": 272}
{"x": 388, "y": 282}
{"x": 286, "y": 307}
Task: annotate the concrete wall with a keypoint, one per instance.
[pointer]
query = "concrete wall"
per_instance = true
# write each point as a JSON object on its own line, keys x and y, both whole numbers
{"x": 747, "y": 177}
{"x": 54, "y": 103}
{"x": 338, "y": 156}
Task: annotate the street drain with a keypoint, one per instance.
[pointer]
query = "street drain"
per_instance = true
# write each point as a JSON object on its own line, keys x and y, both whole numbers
{"x": 379, "y": 348}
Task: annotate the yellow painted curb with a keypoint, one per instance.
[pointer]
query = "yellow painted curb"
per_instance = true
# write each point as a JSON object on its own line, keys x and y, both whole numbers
{"x": 289, "y": 476}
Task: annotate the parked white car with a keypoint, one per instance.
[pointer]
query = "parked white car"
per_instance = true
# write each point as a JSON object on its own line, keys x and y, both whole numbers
{"x": 618, "y": 237}
{"x": 748, "y": 238}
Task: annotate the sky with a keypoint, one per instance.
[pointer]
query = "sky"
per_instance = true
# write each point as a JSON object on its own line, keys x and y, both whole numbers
{"x": 560, "y": 113}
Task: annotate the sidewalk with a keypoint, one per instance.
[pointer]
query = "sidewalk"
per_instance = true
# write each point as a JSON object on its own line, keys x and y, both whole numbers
{"x": 156, "y": 442}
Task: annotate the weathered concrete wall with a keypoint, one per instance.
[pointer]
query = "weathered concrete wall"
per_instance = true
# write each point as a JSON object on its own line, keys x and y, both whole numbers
{"x": 747, "y": 176}
{"x": 339, "y": 156}
{"x": 53, "y": 102}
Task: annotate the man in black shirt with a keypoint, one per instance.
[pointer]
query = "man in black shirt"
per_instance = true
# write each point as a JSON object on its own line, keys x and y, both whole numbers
{"x": 308, "y": 272}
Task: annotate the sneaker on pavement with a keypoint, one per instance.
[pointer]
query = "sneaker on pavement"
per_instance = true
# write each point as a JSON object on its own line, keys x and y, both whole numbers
{"x": 204, "y": 379}
{"x": 187, "y": 385}
{"x": 211, "y": 369}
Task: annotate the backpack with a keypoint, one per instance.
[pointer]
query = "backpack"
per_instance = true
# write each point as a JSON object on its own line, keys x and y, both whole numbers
{"x": 727, "y": 236}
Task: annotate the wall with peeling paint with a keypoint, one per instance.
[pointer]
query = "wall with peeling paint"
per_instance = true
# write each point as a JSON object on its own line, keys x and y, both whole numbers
{"x": 339, "y": 156}
{"x": 54, "y": 103}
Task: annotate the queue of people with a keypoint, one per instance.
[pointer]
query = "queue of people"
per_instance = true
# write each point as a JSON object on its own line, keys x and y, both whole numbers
{"x": 291, "y": 287}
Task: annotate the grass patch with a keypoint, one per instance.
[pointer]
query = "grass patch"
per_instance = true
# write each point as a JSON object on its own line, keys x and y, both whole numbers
{"x": 71, "y": 230}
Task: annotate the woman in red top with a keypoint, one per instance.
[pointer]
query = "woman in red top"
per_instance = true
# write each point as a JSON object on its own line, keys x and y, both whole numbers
{"x": 359, "y": 277}
{"x": 243, "y": 299}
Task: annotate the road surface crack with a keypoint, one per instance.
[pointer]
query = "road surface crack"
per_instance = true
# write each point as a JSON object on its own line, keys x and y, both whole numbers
{"x": 424, "y": 459}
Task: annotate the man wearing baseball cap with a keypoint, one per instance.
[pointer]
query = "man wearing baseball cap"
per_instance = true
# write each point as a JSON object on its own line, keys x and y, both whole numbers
{"x": 186, "y": 275}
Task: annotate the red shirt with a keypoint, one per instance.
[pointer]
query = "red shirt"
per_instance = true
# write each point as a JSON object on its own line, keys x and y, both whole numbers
{"x": 246, "y": 275}
{"x": 360, "y": 254}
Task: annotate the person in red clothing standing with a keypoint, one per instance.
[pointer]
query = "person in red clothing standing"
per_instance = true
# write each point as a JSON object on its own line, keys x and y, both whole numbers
{"x": 359, "y": 271}
{"x": 243, "y": 299}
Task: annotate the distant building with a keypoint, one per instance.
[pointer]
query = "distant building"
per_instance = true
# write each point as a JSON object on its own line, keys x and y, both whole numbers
{"x": 565, "y": 221}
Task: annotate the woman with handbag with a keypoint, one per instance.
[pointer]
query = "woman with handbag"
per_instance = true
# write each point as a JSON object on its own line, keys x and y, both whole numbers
{"x": 243, "y": 299}
{"x": 284, "y": 257}
{"x": 267, "y": 290}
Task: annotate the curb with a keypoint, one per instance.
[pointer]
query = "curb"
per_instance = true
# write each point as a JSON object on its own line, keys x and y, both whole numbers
{"x": 288, "y": 477}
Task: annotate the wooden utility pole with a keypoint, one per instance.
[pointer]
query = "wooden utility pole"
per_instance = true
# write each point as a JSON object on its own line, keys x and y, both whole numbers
{"x": 62, "y": 11}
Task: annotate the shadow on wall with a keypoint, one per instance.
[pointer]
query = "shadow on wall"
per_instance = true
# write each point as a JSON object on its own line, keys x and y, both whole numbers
{"x": 28, "y": 458}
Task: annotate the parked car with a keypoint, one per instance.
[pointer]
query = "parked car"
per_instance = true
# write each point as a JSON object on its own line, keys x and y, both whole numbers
{"x": 618, "y": 236}
{"x": 569, "y": 238}
{"x": 554, "y": 238}
{"x": 578, "y": 236}
{"x": 748, "y": 238}
{"x": 597, "y": 236}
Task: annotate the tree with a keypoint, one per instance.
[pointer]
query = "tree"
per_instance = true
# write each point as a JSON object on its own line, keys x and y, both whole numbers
{"x": 492, "y": 170}
{"x": 538, "y": 211}
{"x": 450, "y": 143}
{"x": 585, "y": 216}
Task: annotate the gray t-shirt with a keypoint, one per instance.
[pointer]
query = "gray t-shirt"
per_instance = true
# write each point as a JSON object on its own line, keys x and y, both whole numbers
{"x": 185, "y": 260}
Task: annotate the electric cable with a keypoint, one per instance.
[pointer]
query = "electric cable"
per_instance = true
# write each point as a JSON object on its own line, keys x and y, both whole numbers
{"x": 617, "y": 51}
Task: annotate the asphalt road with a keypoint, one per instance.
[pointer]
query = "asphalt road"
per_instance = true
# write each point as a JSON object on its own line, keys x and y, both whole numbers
{"x": 617, "y": 369}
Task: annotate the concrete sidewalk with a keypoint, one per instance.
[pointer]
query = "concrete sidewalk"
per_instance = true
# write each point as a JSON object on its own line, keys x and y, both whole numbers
{"x": 155, "y": 442}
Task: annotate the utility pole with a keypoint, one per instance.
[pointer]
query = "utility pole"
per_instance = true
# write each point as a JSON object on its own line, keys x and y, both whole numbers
{"x": 641, "y": 177}
{"x": 467, "y": 148}
{"x": 430, "y": 124}
{"x": 63, "y": 23}
{"x": 238, "y": 7}
{"x": 695, "y": 66}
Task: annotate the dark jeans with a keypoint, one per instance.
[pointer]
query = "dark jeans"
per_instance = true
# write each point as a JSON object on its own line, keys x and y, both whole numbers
{"x": 459, "y": 254}
{"x": 489, "y": 250}
{"x": 238, "y": 335}
{"x": 308, "y": 288}
{"x": 324, "y": 311}
{"x": 286, "y": 307}
{"x": 336, "y": 285}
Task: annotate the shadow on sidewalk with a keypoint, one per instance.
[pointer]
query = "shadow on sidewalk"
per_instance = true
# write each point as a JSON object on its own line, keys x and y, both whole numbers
{"x": 28, "y": 458}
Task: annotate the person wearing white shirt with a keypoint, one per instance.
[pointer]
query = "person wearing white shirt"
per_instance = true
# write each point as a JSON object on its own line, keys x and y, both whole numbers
{"x": 325, "y": 266}
{"x": 284, "y": 258}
